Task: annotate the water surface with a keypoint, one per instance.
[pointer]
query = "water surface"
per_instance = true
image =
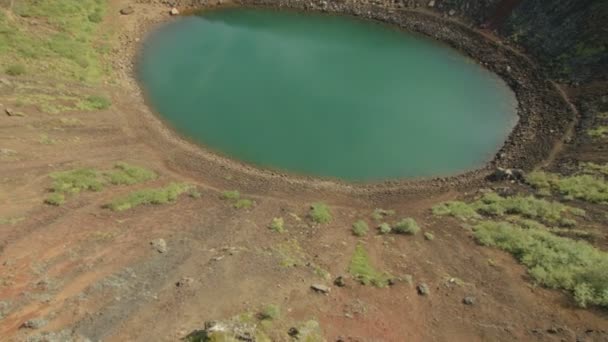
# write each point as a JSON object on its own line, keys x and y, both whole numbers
{"x": 325, "y": 95}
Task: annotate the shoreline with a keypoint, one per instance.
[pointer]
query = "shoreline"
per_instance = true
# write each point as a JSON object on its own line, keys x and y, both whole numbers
{"x": 543, "y": 116}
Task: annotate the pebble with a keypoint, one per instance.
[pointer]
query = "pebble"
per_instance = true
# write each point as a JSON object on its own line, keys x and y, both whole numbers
{"x": 320, "y": 288}
{"x": 423, "y": 289}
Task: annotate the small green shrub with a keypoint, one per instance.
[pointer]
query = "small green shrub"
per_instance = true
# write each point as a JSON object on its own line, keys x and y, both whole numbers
{"x": 380, "y": 214}
{"x": 75, "y": 181}
{"x": 384, "y": 228}
{"x": 15, "y": 70}
{"x": 149, "y": 196}
{"x": 599, "y": 132}
{"x": 362, "y": 270}
{"x": 126, "y": 174}
{"x": 277, "y": 225}
{"x": 360, "y": 228}
{"x": 407, "y": 226}
{"x": 270, "y": 312}
{"x": 460, "y": 210}
{"x": 55, "y": 199}
{"x": 95, "y": 102}
{"x": 194, "y": 193}
{"x": 553, "y": 261}
{"x": 320, "y": 213}
{"x": 585, "y": 187}
{"x": 429, "y": 236}
{"x": 243, "y": 203}
{"x": 233, "y": 195}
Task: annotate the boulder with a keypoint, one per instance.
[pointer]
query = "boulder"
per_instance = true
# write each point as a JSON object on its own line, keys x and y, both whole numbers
{"x": 127, "y": 10}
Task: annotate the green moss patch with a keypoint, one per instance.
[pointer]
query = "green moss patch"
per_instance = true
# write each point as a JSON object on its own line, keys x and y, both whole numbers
{"x": 362, "y": 270}
{"x": 155, "y": 196}
{"x": 126, "y": 174}
{"x": 553, "y": 261}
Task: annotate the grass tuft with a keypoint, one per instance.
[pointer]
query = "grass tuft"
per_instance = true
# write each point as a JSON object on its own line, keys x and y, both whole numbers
{"x": 233, "y": 195}
{"x": 95, "y": 102}
{"x": 384, "y": 228}
{"x": 126, "y": 174}
{"x": 584, "y": 187}
{"x": 15, "y": 70}
{"x": 270, "y": 312}
{"x": 407, "y": 226}
{"x": 156, "y": 196}
{"x": 380, "y": 214}
{"x": 320, "y": 213}
{"x": 277, "y": 225}
{"x": 55, "y": 199}
{"x": 75, "y": 181}
{"x": 360, "y": 228}
{"x": 362, "y": 270}
{"x": 460, "y": 210}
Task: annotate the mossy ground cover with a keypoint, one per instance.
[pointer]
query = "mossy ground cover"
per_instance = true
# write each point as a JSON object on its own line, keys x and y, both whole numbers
{"x": 553, "y": 261}
{"x": 588, "y": 185}
{"x": 154, "y": 196}
{"x": 54, "y": 38}
{"x": 362, "y": 270}
{"x": 74, "y": 181}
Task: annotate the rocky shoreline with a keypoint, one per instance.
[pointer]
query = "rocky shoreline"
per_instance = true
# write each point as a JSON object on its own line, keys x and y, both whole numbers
{"x": 544, "y": 115}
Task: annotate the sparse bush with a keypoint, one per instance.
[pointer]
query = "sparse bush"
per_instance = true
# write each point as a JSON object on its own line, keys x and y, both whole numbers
{"x": 149, "y": 196}
{"x": 55, "y": 199}
{"x": 429, "y": 236}
{"x": 243, "y": 203}
{"x": 460, "y": 210}
{"x": 233, "y": 195}
{"x": 15, "y": 70}
{"x": 595, "y": 169}
{"x": 384, "y": 228}
{"x": 126, "y": 174}
{"x": 407, "y": 226}
{"x": 320, "y": 213}
{"x": 553, "y": 261}
{"x": 270, "y": 312}
{"x": 380, "y": 214}
{"x": 584, "y": 187}
{"x": 362, "y": 270}
{"x": 75, "y": 181}
{"x": 194, "y": 193}
{"x": 360, "y": 228}
{"x": 277, "y": 225}
{"x": 95, "y": 102}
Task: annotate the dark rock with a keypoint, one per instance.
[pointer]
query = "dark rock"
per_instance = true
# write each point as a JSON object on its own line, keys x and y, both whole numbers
{"x": 552, "y": 330}
{"x": 340, "y": 281}
{"x": 127, "y": 10}
{"x": 293, "y": 332}
{"x": 34, "y": 323}
{"x": 423, "y": 289}
{"x": 507, "y": 175}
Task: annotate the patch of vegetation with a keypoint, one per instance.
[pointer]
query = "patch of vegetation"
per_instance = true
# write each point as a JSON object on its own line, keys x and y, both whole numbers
{"x": 291, "y": 254}
{"x": 599, "y": 132}
{"x": 360, "y": 228}
{"x": 407, "y": 226}
{"x": 460, "y": 210}
{"x": 11, "y": 221}
{"x": 233, "y": 195}
{"x": 493, "y": 205}
{"x": 595, "y": 169}
{"x": 75, "y": 181}
{"x": 237, "y": 202}
{"x": 553, "y": 261}
{"x": 277, "y": 225}
{"x": 584, "y": 187}
{"x": 380, "y": 214}
{"x": 194, "y": 193}
{"x": 243, "y": 203}
{"x": 55, "y": 199}
{"x": 320, "y": 213}
{"x": 384, "y": 228}
{"x": 270, "y": 312}
{"x": 362, "y": 269}
{"x": 46, "y": 140}
{"x": 15, "y": 70}
{"x": 66, "y": 36}
{"x": 127, "y": 174}
{"x": 157, "y": 196}
{"x": 95, "y": 102}
{"x": 429, "y": 236}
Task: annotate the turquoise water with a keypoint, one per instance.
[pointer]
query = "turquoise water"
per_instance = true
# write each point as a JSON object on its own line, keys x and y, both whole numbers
{"x": 325, "y": 95}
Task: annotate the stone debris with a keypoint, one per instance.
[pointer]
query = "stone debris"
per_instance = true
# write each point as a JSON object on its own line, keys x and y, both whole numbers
{"x": 174, "y": 11}
{"x": 423, "y": 289}
{"x": 34, "y": 323}
{"x": 159, "y": 245}
{"x": 468, "y": 300}
{"x": 320, "y": 288}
